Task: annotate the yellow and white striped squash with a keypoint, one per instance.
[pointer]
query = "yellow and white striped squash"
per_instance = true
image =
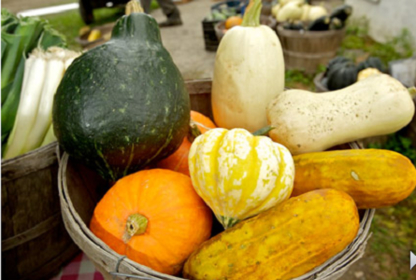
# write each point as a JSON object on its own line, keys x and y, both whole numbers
{"x": 239, "y": 175}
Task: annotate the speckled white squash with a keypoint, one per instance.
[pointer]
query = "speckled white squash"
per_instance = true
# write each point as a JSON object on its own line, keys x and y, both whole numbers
{"x": 248, "y": 74}
{"x": 239, "y": 175}
{"x": 307, "y": 122}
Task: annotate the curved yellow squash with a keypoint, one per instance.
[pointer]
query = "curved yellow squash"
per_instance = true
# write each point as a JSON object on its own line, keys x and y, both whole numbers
{"x": 282, "y": 243}
{"x": 240, "y": 175}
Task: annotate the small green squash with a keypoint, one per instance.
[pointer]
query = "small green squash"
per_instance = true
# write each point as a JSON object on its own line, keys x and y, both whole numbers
{"x": 123, "y": 105}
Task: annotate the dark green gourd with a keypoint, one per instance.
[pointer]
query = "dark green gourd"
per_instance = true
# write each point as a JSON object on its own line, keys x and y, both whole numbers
{"x": 122, "y": 105}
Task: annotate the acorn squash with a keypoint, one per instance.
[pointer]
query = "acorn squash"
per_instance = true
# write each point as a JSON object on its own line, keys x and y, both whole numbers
{"x": 239, "y": 175}
{"x": 124, "y": 104}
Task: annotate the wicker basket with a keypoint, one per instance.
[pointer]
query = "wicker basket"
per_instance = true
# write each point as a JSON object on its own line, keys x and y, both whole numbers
{"x": 80, "y": 189}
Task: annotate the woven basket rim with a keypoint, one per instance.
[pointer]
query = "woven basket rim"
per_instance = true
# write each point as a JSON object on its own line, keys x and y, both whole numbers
{"x": 99, "y": 252}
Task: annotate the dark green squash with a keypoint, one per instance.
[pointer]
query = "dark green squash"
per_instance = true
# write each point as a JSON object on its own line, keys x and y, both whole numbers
{"x": 372, "y": 62}
{"x": 334, "y": 61}
{"x": 341, "y": 12}
{"x": 122, "y": 105}
{"x": 342, "y": 75}
{"x": 320, "y": 24}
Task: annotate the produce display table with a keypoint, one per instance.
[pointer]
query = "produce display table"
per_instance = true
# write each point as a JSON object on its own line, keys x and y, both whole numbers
{"x": 80, "y": 268}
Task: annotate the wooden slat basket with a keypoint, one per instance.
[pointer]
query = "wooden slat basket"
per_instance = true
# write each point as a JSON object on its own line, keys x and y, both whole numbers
{"x": 306, "y": 50}
{"x": 35, "y": 244}
{"x": 81, "y": 188}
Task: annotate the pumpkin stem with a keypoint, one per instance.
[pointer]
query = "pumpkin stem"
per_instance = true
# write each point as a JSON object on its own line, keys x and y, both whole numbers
{"x": 193, "y": 131}
{"x": 136, "y": 225}
{"x": 133, "y": 6}
{"x": 252, "y": 14}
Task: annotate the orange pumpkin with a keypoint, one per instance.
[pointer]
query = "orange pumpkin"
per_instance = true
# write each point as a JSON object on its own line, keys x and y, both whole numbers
{"x": 178, "y": 161}
{"x": 154, "y": 217}
{"x": 233, "y": 21}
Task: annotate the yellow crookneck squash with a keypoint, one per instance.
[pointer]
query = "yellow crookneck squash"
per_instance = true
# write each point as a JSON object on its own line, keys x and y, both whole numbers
{"x": 239, "y": 175}
{"x": 248, "y": 73}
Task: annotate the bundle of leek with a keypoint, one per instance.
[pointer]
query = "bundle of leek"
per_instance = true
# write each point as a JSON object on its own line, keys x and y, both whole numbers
{"x": 43, "y": 72}
{"x": 19, "y": 36}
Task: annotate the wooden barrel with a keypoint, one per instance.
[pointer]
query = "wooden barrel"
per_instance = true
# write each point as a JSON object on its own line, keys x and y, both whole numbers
{"x": 76, "y": 180}
{"x": 35, "y": 244}
{"x": 306, "y": 50}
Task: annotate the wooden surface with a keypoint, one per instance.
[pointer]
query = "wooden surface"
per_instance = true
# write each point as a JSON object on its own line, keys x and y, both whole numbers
{"x": 306, "y": 50}
{"x": 75, "y": 181}
{"x": 35, "y": 243}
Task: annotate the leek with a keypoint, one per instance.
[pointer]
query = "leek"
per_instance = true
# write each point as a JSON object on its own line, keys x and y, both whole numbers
{"x": 29, "y": 101}
{"x": 9, "y": 109}
{"x": 49, "y": 137}
{"x": 53, "y": 74}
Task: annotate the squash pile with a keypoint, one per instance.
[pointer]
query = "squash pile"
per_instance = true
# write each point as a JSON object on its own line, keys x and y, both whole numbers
{"x": 287, "y": 203}
{"x": 299, "y": 15}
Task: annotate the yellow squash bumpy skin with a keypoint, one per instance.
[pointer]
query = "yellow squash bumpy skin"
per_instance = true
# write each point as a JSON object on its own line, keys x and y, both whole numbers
{"x": 373, "y": 178}
{"x": 239, "y": 175}
{"x": 284, "y": 242}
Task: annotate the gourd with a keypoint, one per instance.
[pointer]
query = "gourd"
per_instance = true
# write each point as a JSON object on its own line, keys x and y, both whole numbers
{"x": 306, "y": 122}
{"x": 233, "y": 21}
{"x": 248, "y": 73}
{"x": 342, "y": 75}
{"x": 122, "y": 105}
{"x": 291, "y": 11}
{"x": 372, "y": 62}
{"x": 239, "y": 175}
{"x": 320, "y": 24}
{"x": 282, "y": 243}
{"x": 178, "y": 161}
{"x": 373, "y": 178}
{"x": 316, "y": 12}
{"x": 139, "y": 219}
{"x": 367, "y": 72}
{"x": 341, "y": 12}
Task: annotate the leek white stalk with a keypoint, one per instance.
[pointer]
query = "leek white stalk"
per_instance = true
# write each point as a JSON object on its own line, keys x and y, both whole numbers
{"x": 29, "y": 100}
{"x": 53, "y": 74}
{"x": 49, "y": 137}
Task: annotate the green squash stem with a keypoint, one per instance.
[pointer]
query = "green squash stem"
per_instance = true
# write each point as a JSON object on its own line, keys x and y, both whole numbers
{"x": 264, "y": 131}
{"x": 136, "y": 225}
{"x": 133, "y": 7}
{"x": 412, "y": 91}
{"x": 252, "y": 15}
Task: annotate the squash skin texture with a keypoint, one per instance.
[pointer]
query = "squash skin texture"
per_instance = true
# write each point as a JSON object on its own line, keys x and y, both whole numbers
{"x": 122, "y": 105}
{"x": 248, "y": 74}
{"x": 175, "y": 226}
{"x": 178, "y": 161}
{"x": 308, "y": 122}
{"x": 239, "y": 175}
{"x": 282, "y": 243}
{"x": 373, "y": 178}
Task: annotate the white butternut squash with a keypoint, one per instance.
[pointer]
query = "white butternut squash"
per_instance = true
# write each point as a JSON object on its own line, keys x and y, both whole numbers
{"x": 308, "y": 122}
{"x": 248, "y": 73}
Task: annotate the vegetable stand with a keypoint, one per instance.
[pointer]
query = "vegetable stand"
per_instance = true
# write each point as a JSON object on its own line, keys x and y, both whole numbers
{"x": 75, "y": 180}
